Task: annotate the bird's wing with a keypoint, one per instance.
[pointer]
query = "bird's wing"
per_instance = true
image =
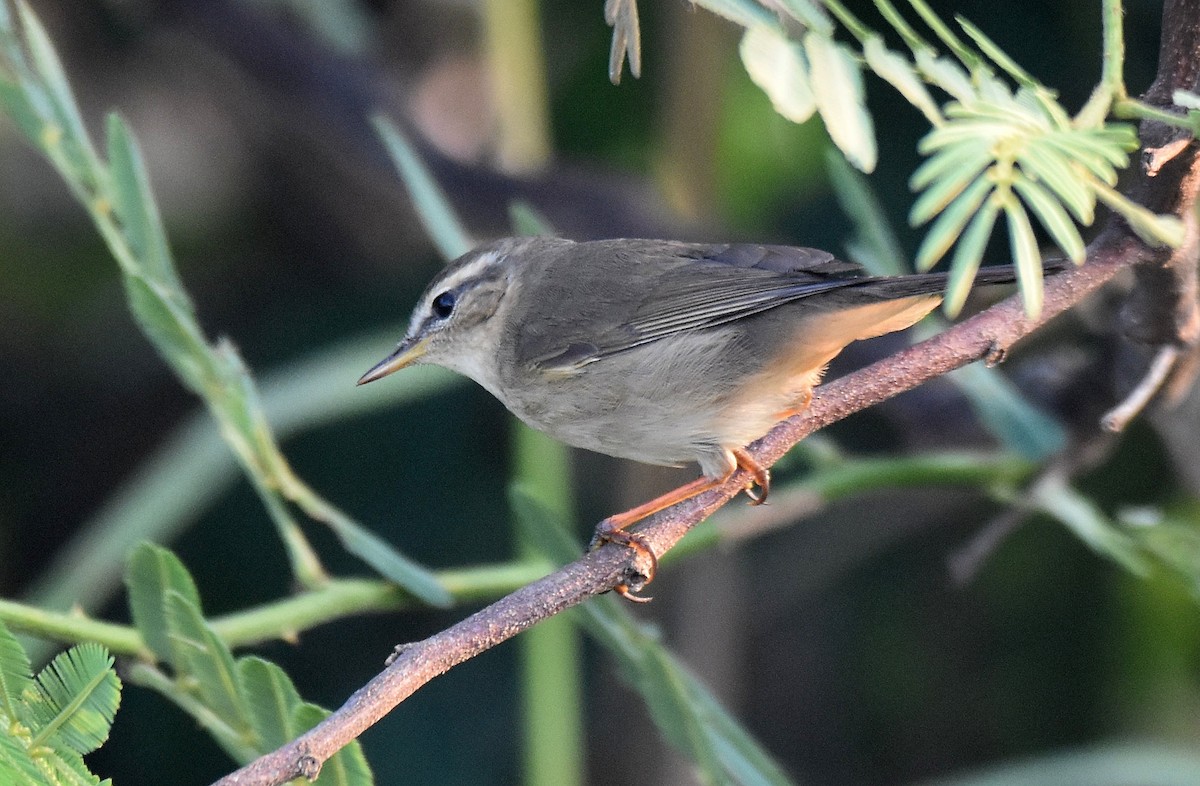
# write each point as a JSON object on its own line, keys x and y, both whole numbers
{"x": 708, "y": 286}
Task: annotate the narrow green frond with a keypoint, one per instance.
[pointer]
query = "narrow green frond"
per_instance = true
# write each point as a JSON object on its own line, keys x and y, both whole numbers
{"x": 777, "y": 65}
{"x": 912, "y": 39}
{"x": 48, "y": 67}
{"x": 1153, "y": 229}
{"x": 948, "y": 160}
{"x": 527, "y": 221}
{"x": 1053, "y": 217}
{"x": 1046, "y": 165}
{"x": 945, "y": 74}
{"x": 949, "y": 225}
{"x": 997, "y": 55}
{"x": 838, "y": 88}
{"x": 1082, "y": 517}
{"x": 968, "y": 255}
{"x": 1026, "y": 255}
{"x": 432, "y": 205}
{"x": 137, "y": 211}
{"x": 897, "y": 71}
{"x": 960, "y": 50}
{"x": 944, "y": 190}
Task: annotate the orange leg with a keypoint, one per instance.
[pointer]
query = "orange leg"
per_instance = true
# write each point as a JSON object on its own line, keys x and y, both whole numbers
{"x": 614, "y": 528}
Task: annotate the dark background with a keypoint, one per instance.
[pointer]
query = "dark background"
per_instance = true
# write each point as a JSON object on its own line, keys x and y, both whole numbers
{"x": 841, "y": 642}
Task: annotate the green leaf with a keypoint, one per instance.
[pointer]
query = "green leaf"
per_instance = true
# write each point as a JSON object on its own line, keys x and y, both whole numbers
{"x": 433, "y": 208}
{"x": 968, "y": 256}
{"x": 1096, "y": 157}
{"x": 874, "y": 236}
{"x": 1053, "y": 217}
{"x": 16, "y": 675}
{"x": 77, "y": 698}
{"x": 949, "y": 225}
{"x": 347, "y": 767}
{"x": 151, "y": 573}
{"x": 208, "y": 664}
{"x": 138, "y": 212}
{"x": 47, "y": 65}
{"x": 897, "y": 71}
{"x": 777, "y": 65}
{"x": 660, "y": 682}
{"x": 272, "y": 700}
{"x": 172, "y": 330}
{"x": 1026, "y": 255}
{"x": 838, "y": 89}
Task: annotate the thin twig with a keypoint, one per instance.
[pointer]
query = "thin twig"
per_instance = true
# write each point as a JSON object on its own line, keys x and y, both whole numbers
{"x": 1117, "y": 418}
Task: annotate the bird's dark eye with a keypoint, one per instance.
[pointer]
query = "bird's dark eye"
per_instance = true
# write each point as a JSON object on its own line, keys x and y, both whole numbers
{"x": 443, "y": 305}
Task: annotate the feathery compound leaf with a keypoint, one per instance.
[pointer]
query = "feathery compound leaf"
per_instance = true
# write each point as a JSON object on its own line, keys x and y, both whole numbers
{"x": 151, "y": 573}
{"x": 77, "y": 698}
{"x": 838, "y": 88}
{"x": 16, "y": 675}
{"x": 16, "y": 763}
{"x": 777, "y": 65}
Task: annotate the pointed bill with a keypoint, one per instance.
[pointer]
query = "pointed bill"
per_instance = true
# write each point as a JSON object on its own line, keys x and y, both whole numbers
{"x": 405, "y": 355}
